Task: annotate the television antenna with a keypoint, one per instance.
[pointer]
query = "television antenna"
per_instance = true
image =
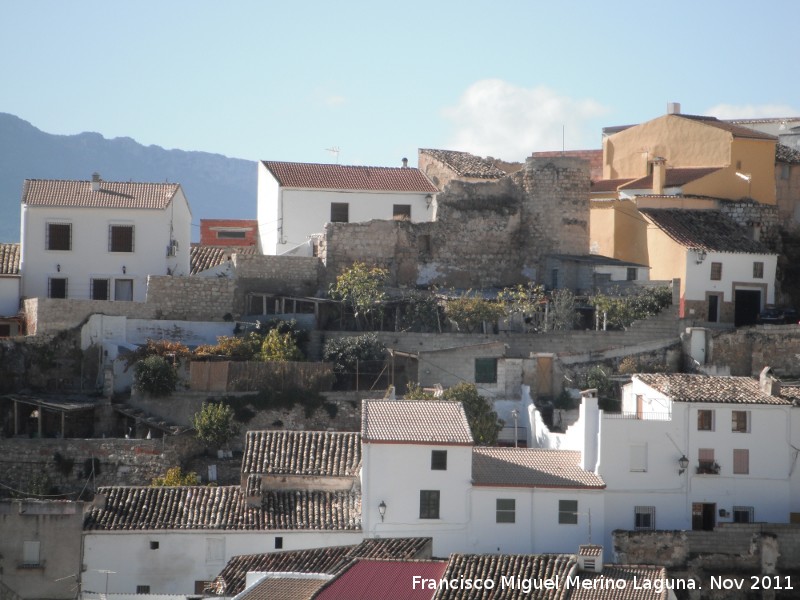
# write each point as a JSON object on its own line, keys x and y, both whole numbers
{"x": 335, "y": 151}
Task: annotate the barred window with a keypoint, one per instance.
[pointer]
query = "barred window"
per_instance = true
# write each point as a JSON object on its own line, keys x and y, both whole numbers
{"x": 120, "y": 238}
{"x": 429, "y": 504}
{"x": 644, "y": 518}
{"x": 716, "y": 271}
{"x": 743, "y": 514}
{"x": 57, "y": 287}
{"x": 58, "y": 236}
{"x": 758, "y": 270}
{"x": 100, "y": 288}
{"x": 568, "y": 512}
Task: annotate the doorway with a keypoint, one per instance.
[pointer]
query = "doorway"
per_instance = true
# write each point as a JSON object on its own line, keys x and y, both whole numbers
{"x": 713, "y": 308}
{"x": 747, "y": 305}
{"x": 704, "y": 516}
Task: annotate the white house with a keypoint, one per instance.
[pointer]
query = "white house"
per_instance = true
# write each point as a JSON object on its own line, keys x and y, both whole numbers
{"x": 101, "y": 239}
{"x": 9, "y": 280}
{"x": 295, "y": 200}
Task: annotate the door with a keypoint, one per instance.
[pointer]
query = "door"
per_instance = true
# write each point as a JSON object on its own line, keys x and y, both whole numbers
{"x": 704, "y": 516}
{"x": 747, "y": 304}
{"x": 713, "y": 308}
{"x": 123, "y": 289}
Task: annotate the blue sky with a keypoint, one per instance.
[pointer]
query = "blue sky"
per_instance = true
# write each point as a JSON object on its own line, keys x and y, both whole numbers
{"x": 267, "y": 80}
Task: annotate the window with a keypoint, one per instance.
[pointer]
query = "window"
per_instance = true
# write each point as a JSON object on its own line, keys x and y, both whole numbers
{"x": 706, "y": 463}
{"x": 278, "y": 542}
{"x": 485, "y": 370}
{"x": 142, "y": 589}
{"x": 439, "y": 460}
{"x": 785, "y": 171}
{"x": 632, "y": 274}
{"x": 506, "y": 510}
{"x": 123, "y": 289}
{"x": 154, "y": 545}
{"x": 740, "y": 423}
{"x": 741, "y": 461}
{"x": 57, "y": 287}
{"x": 758, "y": 270}
{"x": 568, "y": 512}
{"x": 99, "y": 289}
{"x": 340, "y": 212}
{"x": 705, "y": 420}
{"x": 716, "y": 271}
{"x": 429, "y": 504}
{"x": 638, "y": 457}
{"x": 231, "y": 235}
{"x": 30, "y": 554}
{"x": 743, "y": 514}
{"x": 554, "y": 279}
{"x": 644, "y": 518}
{"x": 120, "y": 238}
{"x": 401, "y": 212}
{"x": 58, "y": 236}
{"x": 215, "y": 550}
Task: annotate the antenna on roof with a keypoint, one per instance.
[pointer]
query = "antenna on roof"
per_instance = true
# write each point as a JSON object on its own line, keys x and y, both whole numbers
{"x": 334, "y": 150}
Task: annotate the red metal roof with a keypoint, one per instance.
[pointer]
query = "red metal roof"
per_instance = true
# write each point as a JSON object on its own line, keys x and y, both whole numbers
{"x": 343, "y": 177}
{"x": 383, "y": 580}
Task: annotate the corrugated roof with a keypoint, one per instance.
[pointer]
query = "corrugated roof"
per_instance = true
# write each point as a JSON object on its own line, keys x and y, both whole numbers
{"x": 383, "y": 580}
{"x": 421, "y": 421}
{"x": 344, "y": 177}
{"x": 599, "y": 586}
{"x": 112, "y": 194}
{"x": 684, "y": 387}
{"x": 675, "y": 177}
{"x": 709, "y": 230}
{"x": 333, "y": 454}
{"x": 531, "y": 467}
{"x": 9, "y": 259}
{"x": 222, "y": 508}
{"x": 202, "y": 258}
{"x": 465, "y": 164}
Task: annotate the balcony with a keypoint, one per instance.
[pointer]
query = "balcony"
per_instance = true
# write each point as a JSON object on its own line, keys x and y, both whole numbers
{"x": 707, "y": 467}
{"x": 642, "y": 416}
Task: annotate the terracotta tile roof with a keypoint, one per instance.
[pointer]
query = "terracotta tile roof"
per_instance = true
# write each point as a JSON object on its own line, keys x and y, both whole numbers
{"x": 786, "y": 154}
{"x": 222, "y": 508}
{"x": 318, "y": 560}
{"x": 112, "y": 194}
{"x": 423, "y": 421}
{"x": 284, "y": 588}
{"x": 598, "y": 590}
{"x": 683, "y": 387}
{"x": 672, "y": 177}
{"x": 383, "y": 580}
{"x": 343, "y": 177}
{"x": 465, "y": 164}
{"x": 709, "y": 230}
{"x": 607, "y": 185}
{"x": 732, "y": 128}
{"x": 202, "y": 258}
{"x": 589, "y": 550}
{"x": 9, "y": 259}
{"x": 333, "y": 454}
{"x": 497, "y": 566}
{"x": 531, "y": 467}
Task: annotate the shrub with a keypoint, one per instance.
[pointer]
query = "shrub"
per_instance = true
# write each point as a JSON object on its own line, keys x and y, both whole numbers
{"x": 215, "y": 424}
{"x": 620, "y": 311}
{"x": 164, "y": 348}
{"x": 155, "y": 376}
{"x": 469, "y": 311}
{"x": 280, "y": 347}
{"x": 245, "y": 347}
{"x": 364, "y": 354}
{"x": 175, "y": 477}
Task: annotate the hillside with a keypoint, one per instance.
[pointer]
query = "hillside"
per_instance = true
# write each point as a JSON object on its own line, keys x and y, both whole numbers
{"x": 216, "y": 186}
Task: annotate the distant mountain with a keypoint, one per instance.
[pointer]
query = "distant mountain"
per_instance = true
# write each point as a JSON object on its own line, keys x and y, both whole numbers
{"x": 215, "y": 185}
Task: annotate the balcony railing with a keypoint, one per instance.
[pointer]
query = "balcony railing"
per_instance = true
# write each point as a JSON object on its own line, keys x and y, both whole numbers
{"x": 707, "y": 468}
{"x": 645, "y": 416}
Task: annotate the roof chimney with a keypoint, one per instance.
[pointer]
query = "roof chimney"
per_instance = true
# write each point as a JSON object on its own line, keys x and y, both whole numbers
{"x": 96, "y": 181}
{"x": 405, "y": 162}
{"x": 673, "y": 108}
{"x": 659, "y": 174}
{"x": 768, "y": 383}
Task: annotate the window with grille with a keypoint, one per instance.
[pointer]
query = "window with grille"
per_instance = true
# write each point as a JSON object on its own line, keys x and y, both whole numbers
{"x": 439, "y": 460}
{"x": 741, "y": 461}
{"x": 401, "y": 212}
{"x": 120, "y": 238}
{"x": 485, "y": 370}
{"x": 705, "y": 420}
{"x": 99, "y": 289}
{"x": 59, "y": 236}
{"x": 644, "y": 518}
{"x": 743, "y": 514}
{"x": 57, "y": 287}
{"x": 142, "y": 589}
{"x": 506, "y": 510}
{"x": 758, "y": 270}
{"x": 740, "y": 422}
{"x": 429, "y": 504}
{"x": 716, "y": 271}
{"x": 568, "y": 512}
{"x": 340, "y": 212}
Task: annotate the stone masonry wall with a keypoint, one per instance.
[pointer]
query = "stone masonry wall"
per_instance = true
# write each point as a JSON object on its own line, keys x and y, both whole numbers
{"x": 750, "y": 214}
{"x": 45, "y": 316}
{"x": 748, "y": 350}
{"x": 298, "y": 275}
{"x": 191, "y": 298}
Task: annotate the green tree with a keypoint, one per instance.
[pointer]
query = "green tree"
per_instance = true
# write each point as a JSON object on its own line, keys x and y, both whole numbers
{"x": 469, "y": 311}
{"x": 155, "y": 375}
{"x": 175, "y": 477}
{"x": 482, "y": 419}
{"x": 361, "y": 288}
{"x": 280, "y": 347}
{"x": 215, "y": 425}
{"x": 363, "y": 354}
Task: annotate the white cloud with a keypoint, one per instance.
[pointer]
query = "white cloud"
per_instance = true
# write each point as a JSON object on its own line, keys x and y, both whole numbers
{"x": 751, "y": 111}
{"x": 496, "y": 118}
{"x": 335, "y": 100}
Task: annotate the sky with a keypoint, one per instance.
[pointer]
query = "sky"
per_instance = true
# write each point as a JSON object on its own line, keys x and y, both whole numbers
{"x": 369, "y": 83}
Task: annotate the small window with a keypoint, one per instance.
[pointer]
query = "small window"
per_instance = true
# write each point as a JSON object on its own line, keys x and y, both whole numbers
{"x": 758, "y": 270}
{"x": 485, "y": 370}
{"x": 120, "y": 238}
{"x": 123, "y": 290}
{"x": 706, "y": 463}
{"x": 439, "y": 460}
{"x": 741, "y": 461}
{"x": 142, "y": 589}
{"x": 638, "y": 458}
{"x": 154, "y": 545}
{"x": 740, "y": 422}
{"x": 506, "y": 510}
{"x": 429, "y": 504}
{"x": 231, "y": 235}
{"x": 57, "y": 287}
{"x": 401, "y": 212}
{"x": 716, "y": 271}
{"x": 743, "y": 514}
{"x": 644, "y": 518}
{"x": 31, "y": 554}
{"x": 632, "y": 274}
{"x": 100, "y": 288}
{"x": 59, "y": 236}
{"x": 568, "y": 512}
{"x": 705, "y": 420}
{"x": 278, "y": 542}
{"x": 5, "y": 330}
{"x": 340, "y": 212}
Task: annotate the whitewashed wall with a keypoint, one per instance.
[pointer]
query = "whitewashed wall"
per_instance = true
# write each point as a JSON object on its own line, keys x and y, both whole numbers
{"x": 737, "y": 273}
{"x": 9, "y": 296}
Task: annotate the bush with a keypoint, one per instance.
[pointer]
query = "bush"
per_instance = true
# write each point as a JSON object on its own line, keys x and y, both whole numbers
{"x": 470, "y": 311}
{"x": 155, "y": 376}
{"x": 175, "y": 477}
{"x": 215, "y": 424}
{"x": 621, "y": 311}
{"x": 246, "y": 347}
{"x": 280, "y": 347}
{"x": 363, "y": 354}
{"x": 163, "y": 348}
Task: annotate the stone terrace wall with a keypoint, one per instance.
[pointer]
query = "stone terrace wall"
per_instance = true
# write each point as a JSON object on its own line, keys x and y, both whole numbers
{"x": 748, "y": 350}
{"x": 51, "y": 315}
{"x": 191, "y": 298}
{"x": 284, "y": 275}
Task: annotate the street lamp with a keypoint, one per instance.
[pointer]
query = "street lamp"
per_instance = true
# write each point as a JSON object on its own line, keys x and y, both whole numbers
{"x": 683, "y": 464}
{"x": 382, "y": 509}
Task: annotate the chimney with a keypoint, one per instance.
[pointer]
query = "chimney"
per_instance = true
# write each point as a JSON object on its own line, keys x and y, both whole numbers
{"x": 590, "y": 417}
{"x": 405, "y": 162}
{"x": 673, "y": 108}
{"x": 96, "y": 181}
{"x": 590, "y": 558}
{"x": 659, "y": 174}
{"x": 768, "y": 383}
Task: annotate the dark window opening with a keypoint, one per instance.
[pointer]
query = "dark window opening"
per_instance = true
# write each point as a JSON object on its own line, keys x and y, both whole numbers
{"x": 340, "y": 212}
{"x": 100, "y": 288}
{"x": 439, "y": 460}
{"x": 278, "y": 542}
{"x": 231, "y": 235}
{"x": 506, "y": 510}
{"x": 568, "y": 512}
{"x": 57, "y": 287}
{"x": 59, "y": 236}
{"x": 485, "y": 370}
{"x": 120, "y": 238}
{"x": 716, "y": 271}
{"x": 429, "y": 504}
{"x": 401, "y": 212}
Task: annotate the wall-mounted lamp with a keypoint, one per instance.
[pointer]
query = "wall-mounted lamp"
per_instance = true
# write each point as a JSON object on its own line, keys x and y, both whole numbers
{"x": 58, "y": 268}
{"x": 124, "y": 269}
{"x": 382, "y": 509}
{"x": 701, "y": 256}
{"x": 683, "y": 464}
{"x": 428, "y": 200}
